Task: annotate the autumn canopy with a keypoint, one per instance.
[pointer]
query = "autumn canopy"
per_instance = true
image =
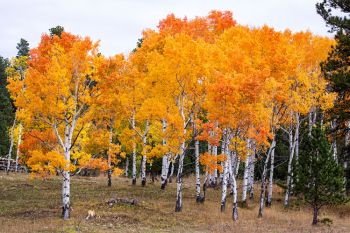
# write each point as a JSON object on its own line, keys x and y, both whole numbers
{"x": 203, "y": 81}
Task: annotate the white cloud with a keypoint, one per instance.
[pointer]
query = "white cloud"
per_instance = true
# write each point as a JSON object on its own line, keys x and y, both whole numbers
{"x": 119, "y": 23}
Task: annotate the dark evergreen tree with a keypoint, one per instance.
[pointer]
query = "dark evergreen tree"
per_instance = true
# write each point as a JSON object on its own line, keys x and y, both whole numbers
{"x": 336, "y": 14}
{"x": 23, "y": 48}
{"x": 320, "y": 179}
{"x": 6, "y": 109}
{"x": 138, "y": 44}
{"x": 56, "y": 31}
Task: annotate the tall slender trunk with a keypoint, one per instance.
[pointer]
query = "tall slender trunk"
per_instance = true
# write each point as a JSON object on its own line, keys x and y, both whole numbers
{"x": 12, "y": 139}
{"x": 127, "y": 167}
{"x": 133, "y": 153}
{"x": 225, "y": 172}
{"x": 263, "y": 182}
{"x": 109, "y": 177}
{"x": 18, "y": 145}
{"x": 172, "y": 168}
{"x": 269, "y": 196}
{"x": 221, "y": 176}
{"x": 246, "y": 176}
{"x": 234, "y": 191}
{"x": 144, "y": 158}
{"x": 205, "y": 183}
{"x": 215, "y": 175}
{"x": 237, "y": 166}
{"x": 213, "y": 150}
{"x": 251, "y": 176}
{"x": 224, "y": 185}
{"x": 211, "y": 176}
{"x": 109, "y": 160}
{"x": 164, "y": 175}
{"x": 334, "y": 142}
{"x": 215, "y": 154}
{"x": 66, "y": 195}
{"x": 346, "y": 155}
{"x": 143, "y": 170}
{"x": 296, "y": 145}
{"x": 198, "y": 180}
{"x": 178, "y": 206}
{"x": 66, "y": 173}
{"x": 312, "y": 120}
{"x": 289, "y": 171}
{"x": 315, "y": 216}
{"x": 292, "y": 143}
{"x": 179, "y": 180}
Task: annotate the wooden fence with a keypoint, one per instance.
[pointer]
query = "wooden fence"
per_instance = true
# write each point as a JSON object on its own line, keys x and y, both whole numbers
{"x": 3, "y": 165}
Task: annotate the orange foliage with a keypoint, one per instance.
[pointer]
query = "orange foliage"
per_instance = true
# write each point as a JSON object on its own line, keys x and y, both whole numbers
{"x": 211, "y": 162}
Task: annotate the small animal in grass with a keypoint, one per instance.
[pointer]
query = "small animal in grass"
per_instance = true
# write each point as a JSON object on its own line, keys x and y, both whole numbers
{"x": 91, "y": 214}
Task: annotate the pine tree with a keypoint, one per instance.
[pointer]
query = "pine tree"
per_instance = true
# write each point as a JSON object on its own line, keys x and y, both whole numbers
{"x": 335, "y": 69}
{"x": 6, "y": 108}
{"x": 319, "y": 178}
{"x": 23, "y": 48}
{"x": 56, "y": 31}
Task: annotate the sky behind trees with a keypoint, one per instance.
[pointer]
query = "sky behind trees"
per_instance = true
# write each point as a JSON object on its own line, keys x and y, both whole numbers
{"x": 119, "y": 23}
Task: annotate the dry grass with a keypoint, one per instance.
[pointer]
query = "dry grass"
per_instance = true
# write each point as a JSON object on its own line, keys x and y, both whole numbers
{"x": 28, "y": 205}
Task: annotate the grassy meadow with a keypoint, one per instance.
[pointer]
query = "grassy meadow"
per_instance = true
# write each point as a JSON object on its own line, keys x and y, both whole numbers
{"x": 34, "y": 205}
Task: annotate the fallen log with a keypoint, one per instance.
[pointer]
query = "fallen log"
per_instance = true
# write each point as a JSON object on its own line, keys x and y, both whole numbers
{"x": 128, "y": 201}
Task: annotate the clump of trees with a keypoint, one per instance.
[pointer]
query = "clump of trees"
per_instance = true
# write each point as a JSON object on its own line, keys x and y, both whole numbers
{"x": 210, "y": 84}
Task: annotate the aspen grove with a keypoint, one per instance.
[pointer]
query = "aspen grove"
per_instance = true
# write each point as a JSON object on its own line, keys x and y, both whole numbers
{"x": 207, "y": 88}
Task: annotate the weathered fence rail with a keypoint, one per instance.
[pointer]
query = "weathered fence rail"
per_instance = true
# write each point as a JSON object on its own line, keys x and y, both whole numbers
{"x": 3, "y": 165}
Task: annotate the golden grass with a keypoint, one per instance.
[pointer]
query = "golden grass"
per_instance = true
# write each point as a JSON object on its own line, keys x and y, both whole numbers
{"x": 28, "y": 205}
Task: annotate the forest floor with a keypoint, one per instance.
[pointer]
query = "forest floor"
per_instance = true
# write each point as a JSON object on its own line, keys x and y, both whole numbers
{"x": 33, "y": 205}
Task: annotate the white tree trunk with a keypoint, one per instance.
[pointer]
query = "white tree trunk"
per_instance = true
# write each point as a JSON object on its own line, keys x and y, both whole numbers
{"x": 66, "y": 173}
{"x": 269, "y": 197}
{"x": 251, "y": 176}
{"x": 234, "y": 190}
{"x": 312, "y": 120}
{"x": 292, "y": 143}
{"x": 143, "y": 170}
{"x": 18, "y": 145}
{"x": 178, "y": 206}
{"x": 133, "y": 153}
{"x": 215, "y": 154}
{"x": 225, "y": 171}
{"x": 224, "y": 185}
{"x": 215, "y": 175}
{"x": 334, "y": 142}
{"x": 213, "y": 150}
{"x": 246, "y": 175}
{"x": 66, "y": 195}
{"x": 198, "y": 180}
{"x": 296, "y": 145}
{"x": 165, "y": 162}
{"x": 12, "y": 139}
{"x": 237, "y": 166}
{"x": 222, "y": 163}
{"x": 144, "y": 158}
{"x": 164, "y": 175}
{"x": 179, "y": 180}
{"x": 289, "y": 171}
{"x": 263, "y": 183}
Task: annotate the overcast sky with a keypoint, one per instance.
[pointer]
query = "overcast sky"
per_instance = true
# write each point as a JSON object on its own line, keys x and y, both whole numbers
{"x": 119, "y": 23}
